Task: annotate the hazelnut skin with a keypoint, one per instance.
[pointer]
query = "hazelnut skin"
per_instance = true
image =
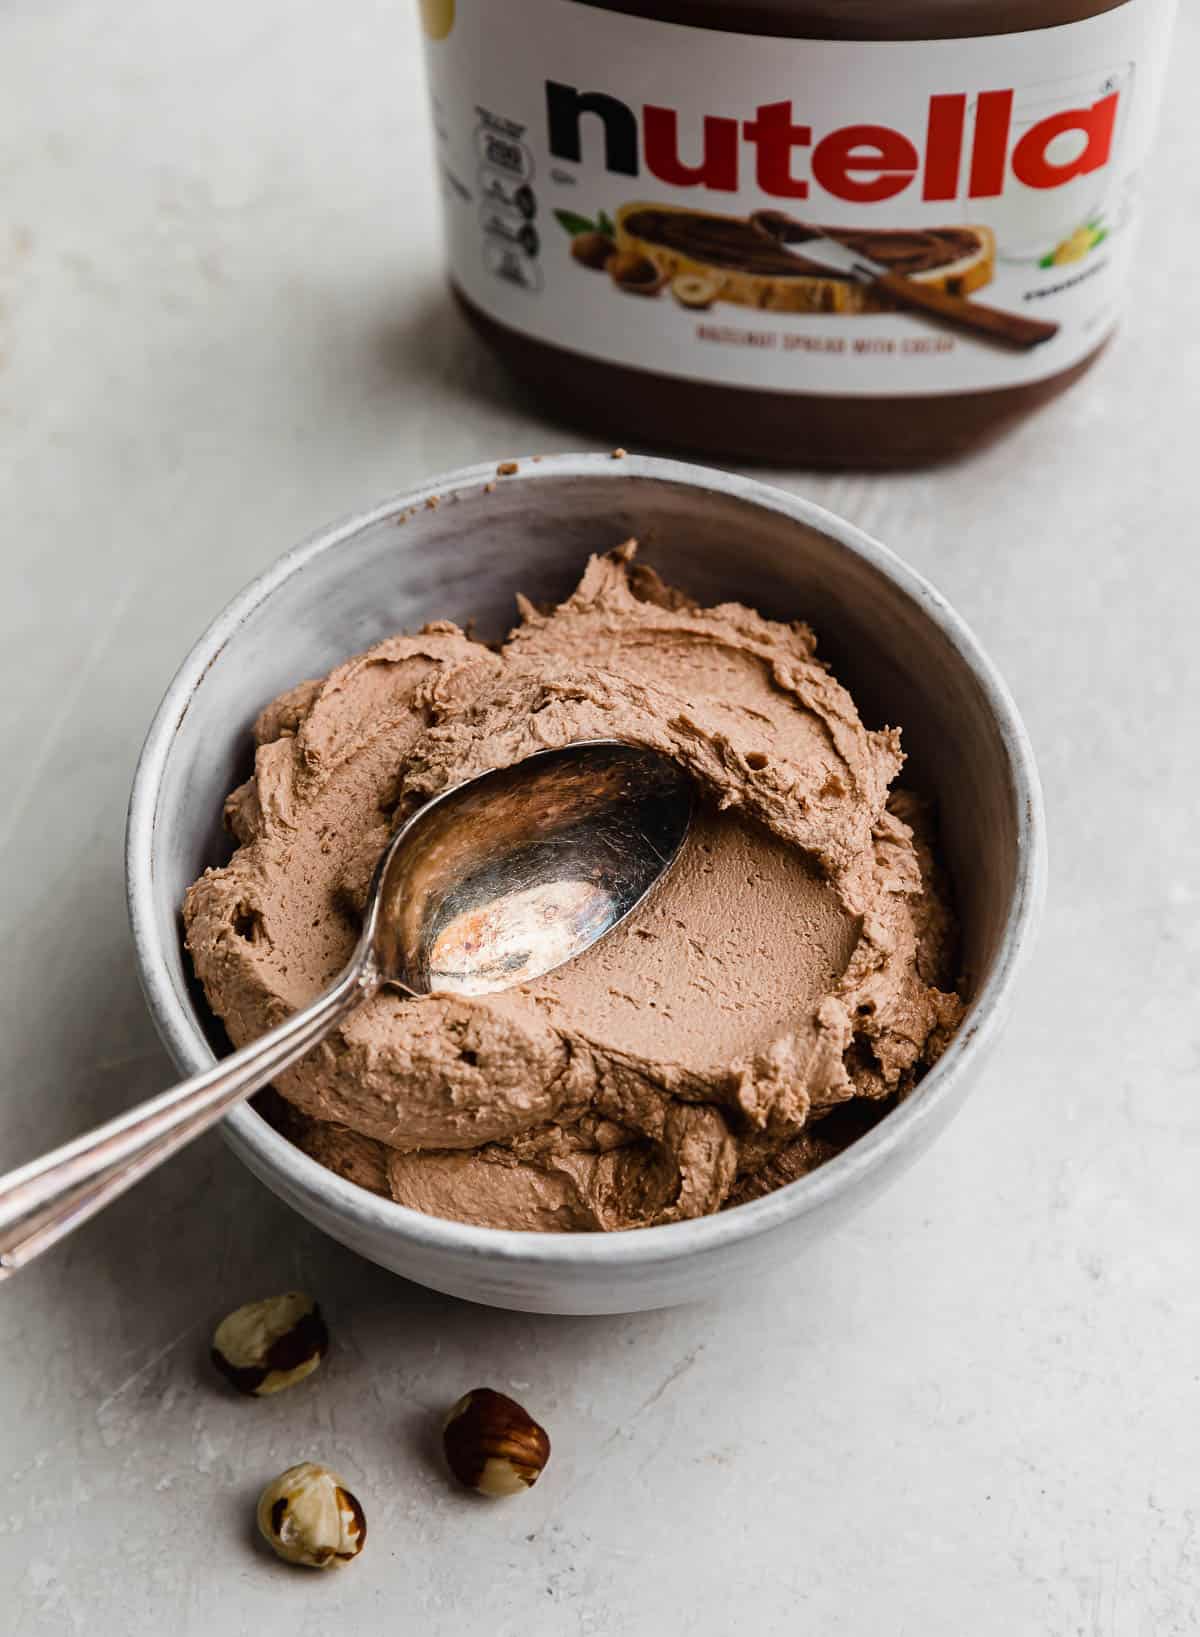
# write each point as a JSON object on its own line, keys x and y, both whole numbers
{"x": 267, "y": 1346}
{"x": 594, "y": 250}
{"x": 493, "y": 1445}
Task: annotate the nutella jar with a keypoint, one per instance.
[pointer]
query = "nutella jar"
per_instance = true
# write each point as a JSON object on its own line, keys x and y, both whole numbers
{"x": 813, "y": 232}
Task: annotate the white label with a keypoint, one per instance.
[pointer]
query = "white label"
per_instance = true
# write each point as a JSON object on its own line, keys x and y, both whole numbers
{"x": 1003, "y": 170}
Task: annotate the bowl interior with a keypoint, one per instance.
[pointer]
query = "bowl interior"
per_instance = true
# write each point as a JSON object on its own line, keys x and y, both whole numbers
{"x": 887, "y": 635}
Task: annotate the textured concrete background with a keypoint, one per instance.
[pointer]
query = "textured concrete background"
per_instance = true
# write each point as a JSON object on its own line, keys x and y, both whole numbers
{"x": 222, "y": 324}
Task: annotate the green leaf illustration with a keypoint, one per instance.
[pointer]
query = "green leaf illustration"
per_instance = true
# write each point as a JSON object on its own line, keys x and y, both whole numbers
{"x": 605, "y": 223}
{"x": 574, "y": 224}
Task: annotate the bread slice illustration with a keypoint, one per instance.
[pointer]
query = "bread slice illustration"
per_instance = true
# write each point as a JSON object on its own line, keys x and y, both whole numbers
{"x": 759, "y": 261}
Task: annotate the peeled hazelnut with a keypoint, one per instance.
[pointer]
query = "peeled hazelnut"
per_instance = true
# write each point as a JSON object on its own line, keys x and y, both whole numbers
{"x": 308, "y": 1516}
{"x": 637, "y": 274}
{"x": 269, "y": 1345}
{"x": 493, "y": 1445}
{"x": 694, "y": 290}
{"x": 593, "y": 250}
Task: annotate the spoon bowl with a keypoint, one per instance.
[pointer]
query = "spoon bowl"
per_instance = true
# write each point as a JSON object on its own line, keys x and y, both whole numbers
{"x": 499, "y": 880}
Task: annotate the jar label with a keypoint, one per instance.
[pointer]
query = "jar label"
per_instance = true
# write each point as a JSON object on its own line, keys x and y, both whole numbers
{"x": 799, "y": 215}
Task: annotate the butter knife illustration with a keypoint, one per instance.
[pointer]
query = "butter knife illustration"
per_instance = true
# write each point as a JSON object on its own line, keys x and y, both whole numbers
{"x": 898, "y": 290}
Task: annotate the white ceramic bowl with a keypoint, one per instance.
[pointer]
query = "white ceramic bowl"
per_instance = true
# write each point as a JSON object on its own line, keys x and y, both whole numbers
{"x": 905, "y": 655}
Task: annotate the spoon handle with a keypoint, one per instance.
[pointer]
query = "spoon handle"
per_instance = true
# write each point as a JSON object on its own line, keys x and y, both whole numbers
{"x": 42, "y": 1202}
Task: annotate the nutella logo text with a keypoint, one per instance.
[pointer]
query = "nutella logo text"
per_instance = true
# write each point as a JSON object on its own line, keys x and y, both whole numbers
{"x": 862, "y": 164}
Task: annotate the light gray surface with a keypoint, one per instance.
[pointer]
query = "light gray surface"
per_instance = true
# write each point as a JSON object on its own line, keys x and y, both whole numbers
{"x": 973, "y": 1410}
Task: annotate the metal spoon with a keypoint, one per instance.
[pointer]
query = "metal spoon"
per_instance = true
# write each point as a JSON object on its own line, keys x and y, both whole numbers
{"x": 491, "y": 884}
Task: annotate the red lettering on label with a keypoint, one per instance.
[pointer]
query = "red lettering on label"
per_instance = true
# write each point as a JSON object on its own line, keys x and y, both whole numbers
{"x": 889, "y": 158}
{"x": 719, "y": 167}
{"x": 773, "y": 134}
{"x": 989, "y": 154}
{"x": 1097, "y": 124}
{"x": 944, "y": 146}
{"x": 861, "y": 164}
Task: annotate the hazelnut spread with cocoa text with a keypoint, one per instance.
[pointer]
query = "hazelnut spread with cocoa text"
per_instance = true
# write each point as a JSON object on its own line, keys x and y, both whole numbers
{"x": 789, "y": 981}
{"x": 855, "y": 232}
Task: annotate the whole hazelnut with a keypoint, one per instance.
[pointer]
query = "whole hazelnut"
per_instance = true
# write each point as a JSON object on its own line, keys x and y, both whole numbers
{"x": 269, "y": 1345}
{"x": 593, "y": 250}
{"x": 493, "y": 1445}
{"x": 308, "y": 1516}
{"x": 635, "y": 273}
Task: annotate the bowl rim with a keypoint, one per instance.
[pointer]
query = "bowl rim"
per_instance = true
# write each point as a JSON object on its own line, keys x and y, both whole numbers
{"x": 331, "y": 1196}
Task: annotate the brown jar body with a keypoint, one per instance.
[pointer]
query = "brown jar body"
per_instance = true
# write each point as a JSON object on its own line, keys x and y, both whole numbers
{"x": 755, "y": 424}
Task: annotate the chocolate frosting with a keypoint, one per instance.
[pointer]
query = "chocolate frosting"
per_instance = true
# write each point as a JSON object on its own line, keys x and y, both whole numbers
{"x": 798, "y": 960}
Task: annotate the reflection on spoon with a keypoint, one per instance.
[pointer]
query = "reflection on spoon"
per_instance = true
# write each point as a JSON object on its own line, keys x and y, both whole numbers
{"x": 514, "y": 939}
